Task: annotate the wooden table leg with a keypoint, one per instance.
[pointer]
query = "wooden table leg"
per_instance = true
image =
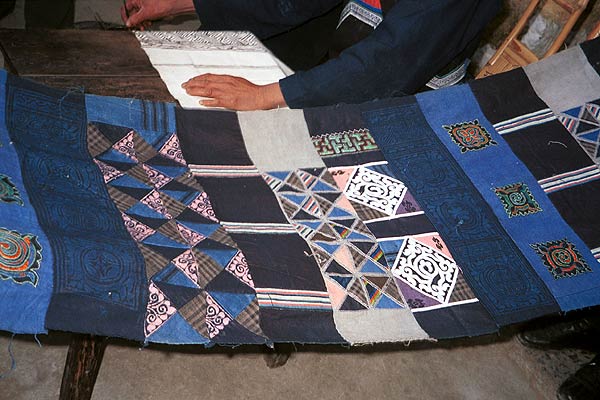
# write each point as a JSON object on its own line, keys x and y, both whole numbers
{"x": 82, "y": 366}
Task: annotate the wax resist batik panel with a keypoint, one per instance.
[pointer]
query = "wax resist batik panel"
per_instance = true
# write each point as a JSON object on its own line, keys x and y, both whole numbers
{"x": 421, "y": 268}
{"x": 97, "y": 288}
{"x": 26, "y": 262}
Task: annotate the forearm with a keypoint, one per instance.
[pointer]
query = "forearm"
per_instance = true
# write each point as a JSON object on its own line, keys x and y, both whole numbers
{"x": 272, "y": 97}
{"x": 414, "y": 42}
{"x": 264, "y": 18}
{"x": 183, "y": 7}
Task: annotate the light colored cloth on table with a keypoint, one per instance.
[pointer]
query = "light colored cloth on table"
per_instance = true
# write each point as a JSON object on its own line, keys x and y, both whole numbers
{"x": 180, "y": 56}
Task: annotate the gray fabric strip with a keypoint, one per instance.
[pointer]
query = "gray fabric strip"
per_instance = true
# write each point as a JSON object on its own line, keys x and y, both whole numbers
{"x": 565, "y": 80}
{"x": 278, "y": 140}
{"x": 378, "y": 326}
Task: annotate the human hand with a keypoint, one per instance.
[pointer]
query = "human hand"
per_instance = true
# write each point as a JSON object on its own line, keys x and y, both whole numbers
{"x": 139, "y": 13}
{"x": 234, "y": 93}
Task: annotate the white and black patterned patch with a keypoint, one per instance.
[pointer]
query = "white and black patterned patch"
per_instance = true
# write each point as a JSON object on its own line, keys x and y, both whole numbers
{"x": 375, "y": 190}
{"x": 426, "y": 270}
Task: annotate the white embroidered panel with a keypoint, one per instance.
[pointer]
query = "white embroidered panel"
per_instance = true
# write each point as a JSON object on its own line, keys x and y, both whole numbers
{"x": 426, "y": 270}
{"x": 375, "y": 190}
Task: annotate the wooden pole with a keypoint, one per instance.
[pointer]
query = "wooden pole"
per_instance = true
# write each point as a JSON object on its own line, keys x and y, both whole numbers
{"x": 82, "y": 366}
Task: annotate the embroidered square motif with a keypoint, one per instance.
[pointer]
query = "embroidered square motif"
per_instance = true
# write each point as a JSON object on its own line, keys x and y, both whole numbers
{"x": 20, "y": 257}
{"x": 562, "y": 258}
{"x": 470, "y": 136}
{"x": 517, "y": 200}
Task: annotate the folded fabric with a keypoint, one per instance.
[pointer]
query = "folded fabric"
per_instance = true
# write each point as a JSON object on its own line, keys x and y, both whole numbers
{"x": 180, "y": 55}
{"x": 446, "y": 214}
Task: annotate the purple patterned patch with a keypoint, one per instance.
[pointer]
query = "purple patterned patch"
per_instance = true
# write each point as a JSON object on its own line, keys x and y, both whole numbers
{"x": 154, "y": 201}
{"x": 126, "y": 146}
{"x": 188, "y": 265}
{"x": 158, "y": 179}
{"x": 191, "y": 237}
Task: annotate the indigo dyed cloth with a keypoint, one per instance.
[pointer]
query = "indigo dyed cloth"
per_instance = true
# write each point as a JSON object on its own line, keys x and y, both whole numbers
{"x": 447, "y": 214}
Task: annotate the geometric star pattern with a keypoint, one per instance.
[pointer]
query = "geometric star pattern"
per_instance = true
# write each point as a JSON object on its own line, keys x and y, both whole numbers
{"x": 584, "y": 124}
{"x": 352, "y": 264}
{"x": 194, "y": 268}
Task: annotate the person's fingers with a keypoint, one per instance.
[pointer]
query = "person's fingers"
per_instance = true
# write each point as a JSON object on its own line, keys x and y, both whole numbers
{"x": 132, "y": 5}
{"x": 204, "y": 88}
{"x": 197, "y": 81}
{"x": 124, "y": 16}
{"x": 136, "y": 19}
{"x": 211, "y": 103}
{"x": 209, "y": 91}
{"x": 145, "y": 25}
{"x": 197, "y": 78}
{"x": 196, "y": 87}
{"x": 208, "y": 78}
{"x": 200, "y": 91}
{"x": 137, "y": 13}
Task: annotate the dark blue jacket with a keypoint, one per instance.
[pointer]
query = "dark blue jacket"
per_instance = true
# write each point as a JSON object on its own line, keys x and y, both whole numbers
{"x": 416, "y": 40}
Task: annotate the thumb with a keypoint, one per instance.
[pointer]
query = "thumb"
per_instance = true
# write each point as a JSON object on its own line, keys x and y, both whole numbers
{"x": 136, "y": 17}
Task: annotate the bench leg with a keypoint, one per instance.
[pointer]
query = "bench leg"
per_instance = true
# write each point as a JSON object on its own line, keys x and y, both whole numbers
{"x": 81, "y": 367}
{"x": 278, "y": 356}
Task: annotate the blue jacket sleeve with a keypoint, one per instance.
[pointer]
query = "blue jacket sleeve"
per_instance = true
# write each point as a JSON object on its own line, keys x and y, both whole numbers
{"x": 416, "y": 40}
{"x": 264, "y": 18}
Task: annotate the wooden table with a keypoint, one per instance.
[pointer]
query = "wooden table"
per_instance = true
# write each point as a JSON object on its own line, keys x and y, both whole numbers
{"x": 109, "y": 63}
